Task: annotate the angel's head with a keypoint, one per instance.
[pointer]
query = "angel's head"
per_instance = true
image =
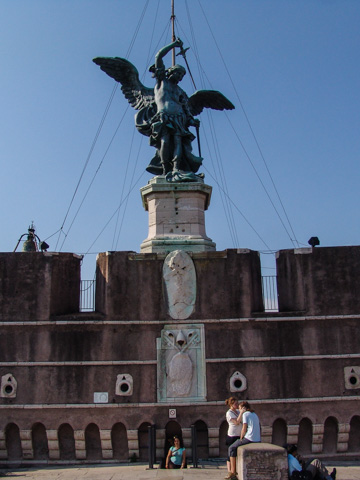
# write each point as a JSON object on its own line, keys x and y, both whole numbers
{"x": 176, "y": 73}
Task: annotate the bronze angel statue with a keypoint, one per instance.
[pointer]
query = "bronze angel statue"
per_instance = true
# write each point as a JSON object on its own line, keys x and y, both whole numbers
{"x": 165, "y": 112}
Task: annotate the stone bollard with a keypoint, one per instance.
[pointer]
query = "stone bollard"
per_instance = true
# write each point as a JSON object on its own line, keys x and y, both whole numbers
{"x": 262, "y": 461}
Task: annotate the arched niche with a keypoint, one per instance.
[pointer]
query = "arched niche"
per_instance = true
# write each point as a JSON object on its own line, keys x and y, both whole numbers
{"x": 143, "y": 437}
{"x": 93, "y": 442}
{"x": 39, "y": 442}
{"x": 305, "y": 436}
{"x": 331, "y": 429}
{"x": 66, "y": 442}
{"x": 13, "y": 442}
{"x": 202, "y": 439}
{"x": 172, "y": 429}
{"x": 119, "y": 442}
{"x": 279, "y": 432}
{"x": 354, "y": 434}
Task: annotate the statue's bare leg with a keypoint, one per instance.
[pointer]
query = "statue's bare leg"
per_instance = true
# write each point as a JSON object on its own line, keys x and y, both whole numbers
{"x": 165, "y": 154}
{"x": 177, "y": 152}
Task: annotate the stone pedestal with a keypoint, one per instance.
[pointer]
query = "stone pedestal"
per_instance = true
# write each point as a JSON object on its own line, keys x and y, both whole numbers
{"x": 176, "y": 216}
{"x": 262, "y": 461}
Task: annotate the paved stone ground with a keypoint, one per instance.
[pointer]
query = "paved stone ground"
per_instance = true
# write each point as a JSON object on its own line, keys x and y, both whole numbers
{"x": 140, "y": 472}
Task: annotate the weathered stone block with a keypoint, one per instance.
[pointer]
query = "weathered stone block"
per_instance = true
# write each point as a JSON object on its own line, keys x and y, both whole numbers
{"x": 80, "y": 454}
{"x": 105, "y": 435}
{"x": 214, "y": 442}
{"x": 54, "y": 454}
{"x": 28, "y": 454}
{"x": 132, "y": 435}
{"x": 213, "y": 452}
{"x": 262, "y": 461}
{"x": 53, "y": 445}
{"x": 52, "y": 435}
{"x": 106, "y": 454}
{"x": 133, "y": 445}
{"x": 317, "y": 448}
{"x": 343, "y": 437}
{"x": 342, "y": 447}
{"x": 106, "y": 444}
{"x": 79, "y": 445}
{"x": 79, "y": 435}
{"x": 160, "y": 435}
{"x": 26, "y": 444}
{"x": 25, "y": 435}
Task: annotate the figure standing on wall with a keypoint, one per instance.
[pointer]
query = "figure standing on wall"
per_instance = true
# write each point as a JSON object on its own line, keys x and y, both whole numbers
{"x": 165, "y": 112}
{"x": 250, "y": 433}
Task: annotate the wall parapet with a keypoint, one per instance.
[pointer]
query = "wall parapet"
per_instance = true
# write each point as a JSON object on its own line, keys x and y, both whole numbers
{"x": 319, "y": 281}
{"x": 38, "y": 285}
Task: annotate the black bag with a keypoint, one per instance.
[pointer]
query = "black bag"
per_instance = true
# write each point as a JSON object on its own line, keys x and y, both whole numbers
{"x": 303, "y": 475}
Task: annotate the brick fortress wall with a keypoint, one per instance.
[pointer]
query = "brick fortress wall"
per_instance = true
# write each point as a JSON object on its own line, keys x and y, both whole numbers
{"x": 299, "y": 367}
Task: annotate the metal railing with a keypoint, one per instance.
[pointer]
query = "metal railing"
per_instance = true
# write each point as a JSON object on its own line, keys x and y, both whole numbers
{"x": 152, "y": 445}
{"x": 268, "y": 282}
{"x": 269, "y": 293}
{"x": 87, "y": 295}
{"x": 194, "y": 446}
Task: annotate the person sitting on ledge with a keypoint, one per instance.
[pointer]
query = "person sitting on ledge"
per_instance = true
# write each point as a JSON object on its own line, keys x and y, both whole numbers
{"x": 176, "y": 457}
{"x": 250, "y": 433}
{"x": 314, "y": 466}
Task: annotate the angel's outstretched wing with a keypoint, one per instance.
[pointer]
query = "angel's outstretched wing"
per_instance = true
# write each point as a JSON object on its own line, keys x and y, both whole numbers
{"x": 208, "y": 99}
{"x": 125, "y": 73}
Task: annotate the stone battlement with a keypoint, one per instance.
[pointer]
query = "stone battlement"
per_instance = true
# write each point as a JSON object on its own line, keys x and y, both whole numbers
{"x": 130, "y": 286}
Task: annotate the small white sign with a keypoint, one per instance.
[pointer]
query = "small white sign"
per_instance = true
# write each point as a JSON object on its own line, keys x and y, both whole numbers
{"x": 101, "y": 397}
{"x": 172, "y": 412}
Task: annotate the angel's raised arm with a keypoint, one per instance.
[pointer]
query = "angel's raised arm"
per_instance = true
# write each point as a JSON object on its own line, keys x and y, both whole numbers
{"x": 161, "y": 53}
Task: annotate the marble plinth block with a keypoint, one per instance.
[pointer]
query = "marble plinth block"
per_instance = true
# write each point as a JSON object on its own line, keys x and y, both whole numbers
{"x": 176, "y": 216}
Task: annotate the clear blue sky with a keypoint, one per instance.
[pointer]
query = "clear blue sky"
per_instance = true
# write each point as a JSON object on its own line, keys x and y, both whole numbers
{"x": 291, "y": 65}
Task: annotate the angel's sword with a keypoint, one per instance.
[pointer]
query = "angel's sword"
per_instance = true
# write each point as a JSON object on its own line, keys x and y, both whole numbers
{"x": 183, "y": 54}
